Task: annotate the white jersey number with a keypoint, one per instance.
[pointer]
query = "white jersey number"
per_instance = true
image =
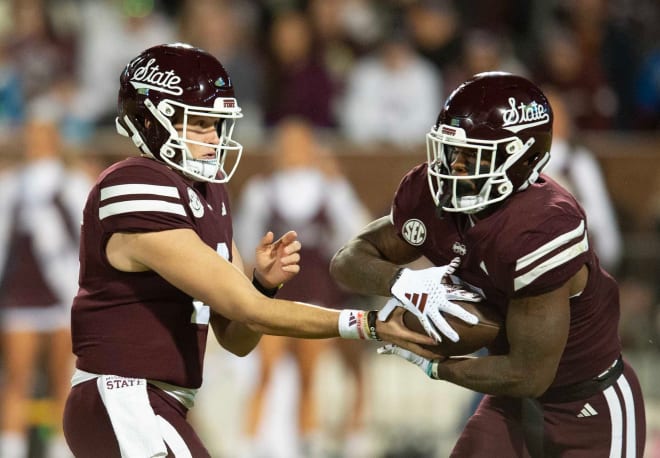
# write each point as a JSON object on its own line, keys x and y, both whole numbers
{"x": 201, "y": 312}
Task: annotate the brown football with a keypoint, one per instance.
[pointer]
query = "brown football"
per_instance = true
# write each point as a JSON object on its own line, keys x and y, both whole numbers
{"x": 472, "y": 337}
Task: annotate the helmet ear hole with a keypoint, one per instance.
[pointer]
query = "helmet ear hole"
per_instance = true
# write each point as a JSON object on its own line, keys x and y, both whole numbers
{"x": 505, "y": 188}
{"x": 168, "y": 152}
{"x": 165, "y": 108}
{"x": 514, "y": 146}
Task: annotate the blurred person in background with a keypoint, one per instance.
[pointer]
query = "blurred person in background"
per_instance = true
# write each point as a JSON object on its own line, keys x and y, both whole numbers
{"x": 577, "y": 169}
{"x": 111, "y": 32}
{"x": 38, "y": 58}
{"x": 580, "y": 78}
{"x": 339, "y": 45}
{"x": 299, "y": 83}
{"x": 12, "y": 109}
{"x": 556, "y": 383}
{"x": 481, "y": 51}
{"x": 159, "y": 266}
{"x": 226, "y": 29}
{"x": 390, "y": 95}
{"x": 647, "y": 96}
{"x": 306, "y": 192}
{"x": 41, "y": 45}
{"x": 435, "y": 30}
{"x": 610, "y": 39}
{"x": 40, "y": 214}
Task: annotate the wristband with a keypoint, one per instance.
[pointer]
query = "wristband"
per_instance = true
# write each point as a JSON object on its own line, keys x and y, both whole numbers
{"x": 352, "y": 324}
{"x": 268, "y": 292}
{"x": 372, "y": 316}
{"x": 432, "y": 370}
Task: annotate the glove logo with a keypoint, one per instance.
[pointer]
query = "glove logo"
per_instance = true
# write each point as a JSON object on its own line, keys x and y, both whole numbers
{"x": 414, "y": 232}
{"x": 418, "y": 300}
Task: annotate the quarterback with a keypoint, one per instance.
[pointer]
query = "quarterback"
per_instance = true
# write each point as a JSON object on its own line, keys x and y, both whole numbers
{"x": 158, "y": 266}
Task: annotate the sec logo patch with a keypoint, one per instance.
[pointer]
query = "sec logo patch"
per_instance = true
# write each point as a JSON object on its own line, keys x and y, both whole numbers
{"x": 414, "y": 232}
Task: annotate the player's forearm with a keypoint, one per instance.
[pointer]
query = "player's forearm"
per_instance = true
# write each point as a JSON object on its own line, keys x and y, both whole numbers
{"x": 358, "y": 267}
{"x": 238, "y": 338}
{"x": 495, "y": 375}
{"x": 293, "y": 319}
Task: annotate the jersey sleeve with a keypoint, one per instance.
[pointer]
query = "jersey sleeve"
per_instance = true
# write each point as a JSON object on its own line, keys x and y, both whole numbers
{"x": 140, "y": 199}
{"x": 408, "y": 196}
{"x": 543, "y": 258}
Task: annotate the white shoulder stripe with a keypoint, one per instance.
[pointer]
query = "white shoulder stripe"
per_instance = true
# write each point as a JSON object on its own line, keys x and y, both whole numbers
{"x": 557, "y": 260}
{"x": 131, "y": 206}
{"x": 128, "y": 189}
{"x": 548, "y": 247}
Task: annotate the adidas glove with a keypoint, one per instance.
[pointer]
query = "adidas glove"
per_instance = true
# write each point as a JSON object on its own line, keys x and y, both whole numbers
{"x": 430, "y": 367}
{"x": 426, "y": 294}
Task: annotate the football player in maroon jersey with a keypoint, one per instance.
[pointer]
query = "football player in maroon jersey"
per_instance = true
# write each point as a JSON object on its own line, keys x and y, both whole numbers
{"x": 158, "y": 263}
{"x": 557, "y": 384}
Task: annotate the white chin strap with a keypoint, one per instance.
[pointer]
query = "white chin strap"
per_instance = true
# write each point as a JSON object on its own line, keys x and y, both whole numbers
{"x": 205, "y": 168}
{"x": 470, "y": 204}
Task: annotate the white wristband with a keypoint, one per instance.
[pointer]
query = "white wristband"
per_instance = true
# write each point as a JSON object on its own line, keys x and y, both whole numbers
{"x": 352, "y": 324}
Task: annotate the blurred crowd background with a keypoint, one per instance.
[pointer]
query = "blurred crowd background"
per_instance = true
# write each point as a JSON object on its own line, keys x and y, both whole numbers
{"x": 366, "y": 80}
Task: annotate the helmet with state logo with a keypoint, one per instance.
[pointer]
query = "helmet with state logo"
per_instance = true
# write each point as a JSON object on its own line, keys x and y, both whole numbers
{"x": 503, "y": 124}
{"x": 167, "y": 84}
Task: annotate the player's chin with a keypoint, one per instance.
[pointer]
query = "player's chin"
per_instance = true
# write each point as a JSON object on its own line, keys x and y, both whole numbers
{"x": 466, "y": 188}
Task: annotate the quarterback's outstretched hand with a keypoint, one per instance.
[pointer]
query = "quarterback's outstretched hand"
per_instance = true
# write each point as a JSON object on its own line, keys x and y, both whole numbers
{"x": 430, "y": 367}
{"x": 427, "y": 295}
{"x": 277, "y": 261}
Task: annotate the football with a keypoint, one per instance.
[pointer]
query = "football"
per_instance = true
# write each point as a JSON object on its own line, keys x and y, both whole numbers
{"x": 472, "y": 337}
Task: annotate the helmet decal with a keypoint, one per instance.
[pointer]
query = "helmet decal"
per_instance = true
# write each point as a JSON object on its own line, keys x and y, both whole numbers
{"x": 524, "y": 116}
{"x": 150, "y": 76}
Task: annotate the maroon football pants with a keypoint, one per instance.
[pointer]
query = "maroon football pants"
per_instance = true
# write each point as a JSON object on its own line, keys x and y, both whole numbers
{"x": 89, "y": 433}
{"x": 611, "y": 423}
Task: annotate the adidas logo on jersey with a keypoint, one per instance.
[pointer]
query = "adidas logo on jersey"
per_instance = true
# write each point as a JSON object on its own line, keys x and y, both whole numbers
{"x": 587, "y": 411}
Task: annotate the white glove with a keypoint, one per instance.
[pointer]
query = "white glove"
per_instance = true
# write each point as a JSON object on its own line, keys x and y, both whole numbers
{"x": 426, "y": 295}
{"x": 429, "y": 367}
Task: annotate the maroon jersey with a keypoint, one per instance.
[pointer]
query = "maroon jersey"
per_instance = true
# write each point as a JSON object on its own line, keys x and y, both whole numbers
{"x": 138, "y": 324}
{"x": 534, "y": 243}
